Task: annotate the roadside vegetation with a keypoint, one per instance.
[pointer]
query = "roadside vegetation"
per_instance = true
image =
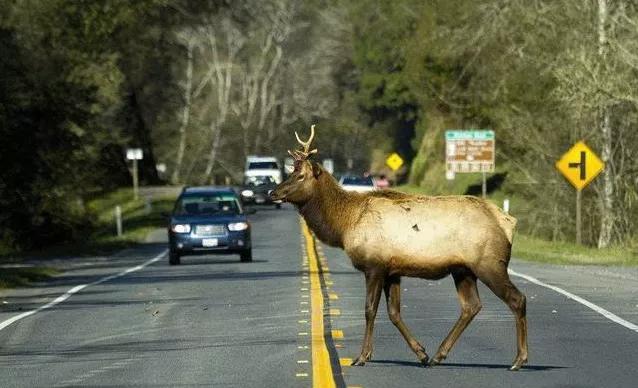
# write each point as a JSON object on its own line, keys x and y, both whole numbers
{"x": 22, "y": 276}
{"x": 559, "y": 252}
{"x": 199, "y": 85}
{"x": 139, "y": 218}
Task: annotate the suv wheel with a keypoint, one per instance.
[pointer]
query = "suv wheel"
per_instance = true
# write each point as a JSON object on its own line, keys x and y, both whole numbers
{"x": 278, "y": 206}
{"x": 246, "y": 255}
{"x": 173, "y": 258}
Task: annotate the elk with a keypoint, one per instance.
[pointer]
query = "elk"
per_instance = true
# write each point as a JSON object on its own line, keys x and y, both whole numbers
{"x": 388, "y": 234}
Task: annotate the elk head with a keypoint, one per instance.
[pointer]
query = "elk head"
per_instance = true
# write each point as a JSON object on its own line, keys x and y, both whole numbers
{"x": 300, "y": 185}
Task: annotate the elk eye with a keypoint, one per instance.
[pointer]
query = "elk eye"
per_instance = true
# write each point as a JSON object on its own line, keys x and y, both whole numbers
{"x": 300, "y": 177}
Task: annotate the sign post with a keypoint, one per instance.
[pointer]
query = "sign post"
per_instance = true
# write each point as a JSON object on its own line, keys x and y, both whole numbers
{"x": 579, "y": 220}
{"x": 580, "y": 166}
{"x": 484, "y": 186}
{"x": 135, "y": 154}
{"x": 469, "y": 151}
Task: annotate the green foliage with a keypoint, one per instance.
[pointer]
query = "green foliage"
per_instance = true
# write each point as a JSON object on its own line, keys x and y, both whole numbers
{"x": 534, "y": 71}
{"x": 16, "y": 276}
{"x": 62, "y": 93}
{"x": 82, "y": 80}
{"x": 138, "y": 217}
{"x": 556, "y": 252}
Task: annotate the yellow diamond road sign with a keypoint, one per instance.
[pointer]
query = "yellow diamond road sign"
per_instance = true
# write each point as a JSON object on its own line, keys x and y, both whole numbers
{"x": 580, "y": 165}
{"x": 394, "y": 161}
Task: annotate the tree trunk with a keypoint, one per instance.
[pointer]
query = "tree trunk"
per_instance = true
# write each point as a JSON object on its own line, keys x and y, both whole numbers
{"x": 142, "y": 138}
{"x": 606, "y": 213}
{"x": 212, "y": 157}
{"x": 185, "y": 112}
{"x": 607, "y": 203}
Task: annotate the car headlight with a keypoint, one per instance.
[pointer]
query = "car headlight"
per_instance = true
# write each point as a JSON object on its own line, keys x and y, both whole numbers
{"x": 181, "y": 228}
{"x": 237, "y": 226}
{"x": 247, "y": 193}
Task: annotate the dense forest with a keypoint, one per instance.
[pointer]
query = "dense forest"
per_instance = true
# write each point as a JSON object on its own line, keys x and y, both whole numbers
{"x": 198, "y": 85}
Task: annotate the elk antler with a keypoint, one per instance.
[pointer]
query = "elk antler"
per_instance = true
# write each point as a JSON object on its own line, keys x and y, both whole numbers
{"x": 306, "y": 152}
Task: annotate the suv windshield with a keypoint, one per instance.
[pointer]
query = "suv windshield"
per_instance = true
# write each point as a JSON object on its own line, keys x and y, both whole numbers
{"x": 259, "y": 180}
{"x": 207, "y": 204}
{"x": 263, "y": 166}
{"x": 356, "y": 181}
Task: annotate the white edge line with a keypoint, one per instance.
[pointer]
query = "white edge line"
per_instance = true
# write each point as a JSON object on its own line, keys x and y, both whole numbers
{"x": 605, "y": 313}
{"x": 77, "y": 289}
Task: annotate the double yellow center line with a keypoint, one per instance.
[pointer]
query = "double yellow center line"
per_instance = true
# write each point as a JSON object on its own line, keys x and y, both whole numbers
{"x": 322, "y": 375}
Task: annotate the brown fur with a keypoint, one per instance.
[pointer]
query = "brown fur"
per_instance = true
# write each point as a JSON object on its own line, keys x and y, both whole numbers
{"x": 388, "y": 234}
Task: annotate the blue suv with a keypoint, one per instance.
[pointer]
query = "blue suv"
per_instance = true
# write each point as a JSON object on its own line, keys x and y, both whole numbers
{"x": 208, "y": 220}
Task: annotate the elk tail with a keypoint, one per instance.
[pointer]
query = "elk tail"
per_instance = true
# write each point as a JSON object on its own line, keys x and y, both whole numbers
{"x": 506, "y": 222}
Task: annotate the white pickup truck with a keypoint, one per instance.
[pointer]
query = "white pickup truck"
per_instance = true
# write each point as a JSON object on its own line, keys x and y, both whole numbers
{"x": 263, "y": 166}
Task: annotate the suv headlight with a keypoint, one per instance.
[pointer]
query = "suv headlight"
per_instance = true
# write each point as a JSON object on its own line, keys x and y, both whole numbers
{"x": 237, "y": 226}
{"x": 181, "y": 228}
{"x": 247, "y": 193}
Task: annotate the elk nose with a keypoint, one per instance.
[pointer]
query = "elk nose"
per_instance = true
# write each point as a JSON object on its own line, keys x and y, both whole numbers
{"x": 278, "y": 195}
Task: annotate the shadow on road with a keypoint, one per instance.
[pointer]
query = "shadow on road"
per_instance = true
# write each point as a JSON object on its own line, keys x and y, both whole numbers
{"x": 187, "y": 261}
{"x": 104, "y": 351}
{"x": 450, "y": 365}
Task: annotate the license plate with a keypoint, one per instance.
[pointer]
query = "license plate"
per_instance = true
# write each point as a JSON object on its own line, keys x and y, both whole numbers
{"x": 260, "y": 200}
{"x": 209, "y": 242}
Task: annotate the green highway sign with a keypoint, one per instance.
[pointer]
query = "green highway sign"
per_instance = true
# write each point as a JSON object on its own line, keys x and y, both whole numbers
{"x": 469, "y": 134}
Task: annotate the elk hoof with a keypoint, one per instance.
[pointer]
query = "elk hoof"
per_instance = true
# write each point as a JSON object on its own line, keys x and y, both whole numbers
{"x": 518, "y": 363}
{"x": 423, "y": 357}
{"x": 360, "y": 361}
{"x": 437, "y": 359}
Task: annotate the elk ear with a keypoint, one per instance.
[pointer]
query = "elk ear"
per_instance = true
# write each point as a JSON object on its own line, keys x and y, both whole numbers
{"x": 316, "y": 169}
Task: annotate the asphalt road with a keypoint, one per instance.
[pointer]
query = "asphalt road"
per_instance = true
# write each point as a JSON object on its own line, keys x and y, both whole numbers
{"x": 216, "y": 322}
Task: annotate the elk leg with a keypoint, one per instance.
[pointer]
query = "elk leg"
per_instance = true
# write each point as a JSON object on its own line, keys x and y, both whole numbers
{"x": 392, "y": 289}
{"x": 374, "y": 284}
{"x": 465, "y": 283}
{"x": 499, "y": 282}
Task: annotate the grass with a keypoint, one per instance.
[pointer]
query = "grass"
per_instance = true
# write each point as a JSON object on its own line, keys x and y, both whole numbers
{"x": 138, "y": 219}
{"x": 559, "y": 252}
{"x": 21, "y": 276}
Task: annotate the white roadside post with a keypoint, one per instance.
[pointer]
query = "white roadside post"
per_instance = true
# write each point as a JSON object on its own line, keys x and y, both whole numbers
{"x": 135, "y": 154}
{"x": 329, "y": 165}
{"x": 118, "y": 220}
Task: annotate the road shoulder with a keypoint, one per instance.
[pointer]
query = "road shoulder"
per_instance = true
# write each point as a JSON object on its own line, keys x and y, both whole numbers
{"x": 610, "y": 287}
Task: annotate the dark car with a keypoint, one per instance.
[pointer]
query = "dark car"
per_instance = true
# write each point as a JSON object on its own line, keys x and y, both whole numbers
{"x": 208, "y": 220}
{"x": 256, "y": 191}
